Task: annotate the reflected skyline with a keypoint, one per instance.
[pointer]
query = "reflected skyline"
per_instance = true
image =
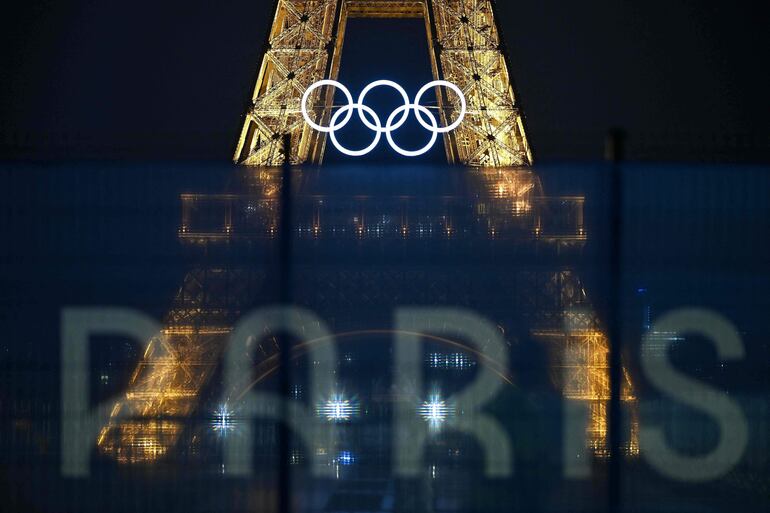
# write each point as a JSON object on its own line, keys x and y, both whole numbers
{"x": 539, "y": 295}
{"x": 444, "y": 343}
{"x": 510, "y": 214}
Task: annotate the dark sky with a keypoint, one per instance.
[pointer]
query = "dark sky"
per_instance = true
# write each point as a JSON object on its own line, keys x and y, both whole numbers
{"x": 169, "y": 79}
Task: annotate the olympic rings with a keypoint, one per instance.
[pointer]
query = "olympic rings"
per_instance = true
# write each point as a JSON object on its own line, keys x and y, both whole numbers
{"x": 434, "y": 130}
{"x": 377, "y": 130}
{"x": 366, "y": 114}
{"x": 315, "y": 86}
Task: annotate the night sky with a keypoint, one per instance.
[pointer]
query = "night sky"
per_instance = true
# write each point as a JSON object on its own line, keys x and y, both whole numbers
{"x": 170, "y": 79}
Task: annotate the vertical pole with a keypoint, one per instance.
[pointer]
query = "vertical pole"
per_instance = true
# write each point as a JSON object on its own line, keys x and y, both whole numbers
{"x": 285, "y": 297}
{"x": 614, "y": 155}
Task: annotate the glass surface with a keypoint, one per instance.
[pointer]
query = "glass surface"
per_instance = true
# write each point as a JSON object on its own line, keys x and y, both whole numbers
{"x": 426, "y": 282}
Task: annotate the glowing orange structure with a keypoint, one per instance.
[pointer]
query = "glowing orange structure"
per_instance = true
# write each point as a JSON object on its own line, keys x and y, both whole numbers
{"x": 305, "y": 46}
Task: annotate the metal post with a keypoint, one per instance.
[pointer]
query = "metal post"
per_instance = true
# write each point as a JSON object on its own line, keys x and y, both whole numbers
{"x": 285, "y": 298}
{"x": 614, "y": 155}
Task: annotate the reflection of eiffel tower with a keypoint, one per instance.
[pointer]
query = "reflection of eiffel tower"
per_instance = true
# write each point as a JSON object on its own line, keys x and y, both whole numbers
{"x": 167, "y": 384}
{"x": 305, "y": 46}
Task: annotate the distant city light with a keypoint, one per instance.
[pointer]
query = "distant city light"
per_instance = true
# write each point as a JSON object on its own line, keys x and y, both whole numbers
{"x": 346, "y": 458}
{"x": 337, "y": 409}
{"x": 435, "y": 410}
{"x": 457, "y": 361}
{"x": 223, "y": 419}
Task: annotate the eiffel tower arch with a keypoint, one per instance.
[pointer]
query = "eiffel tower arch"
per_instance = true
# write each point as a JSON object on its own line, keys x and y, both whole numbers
{"x": 305, "y": 45}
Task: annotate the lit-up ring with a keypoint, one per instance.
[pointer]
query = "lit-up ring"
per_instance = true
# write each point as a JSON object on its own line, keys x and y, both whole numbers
{"x": 379, "y": 83}
{"x": 377, "y": 129}
{"x": 392, "y": 124}
{"x": 417, "y": 109}
{"x": 434, "y": 127}
{"x": 332, "y": 127}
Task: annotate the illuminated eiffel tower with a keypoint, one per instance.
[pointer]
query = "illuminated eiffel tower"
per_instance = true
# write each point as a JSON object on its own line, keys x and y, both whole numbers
{"x": 305, "y": 46}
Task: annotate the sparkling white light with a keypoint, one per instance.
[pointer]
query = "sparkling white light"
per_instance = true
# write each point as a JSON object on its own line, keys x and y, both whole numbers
{"x": 337, "y": 409}
{"x": 435, "y": 410}
{"x": 223, "y": 420}
{"x": 346, "y": 458}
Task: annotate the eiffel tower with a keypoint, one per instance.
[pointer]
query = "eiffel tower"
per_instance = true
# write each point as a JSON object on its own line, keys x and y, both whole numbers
{"x": 305, "y": 46}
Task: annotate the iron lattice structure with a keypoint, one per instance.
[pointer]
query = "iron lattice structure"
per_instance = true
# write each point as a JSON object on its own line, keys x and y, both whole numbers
{"x": 305, "y": 46}
{"x": 167, "y": 384}
{"x": 549, "y": 299}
